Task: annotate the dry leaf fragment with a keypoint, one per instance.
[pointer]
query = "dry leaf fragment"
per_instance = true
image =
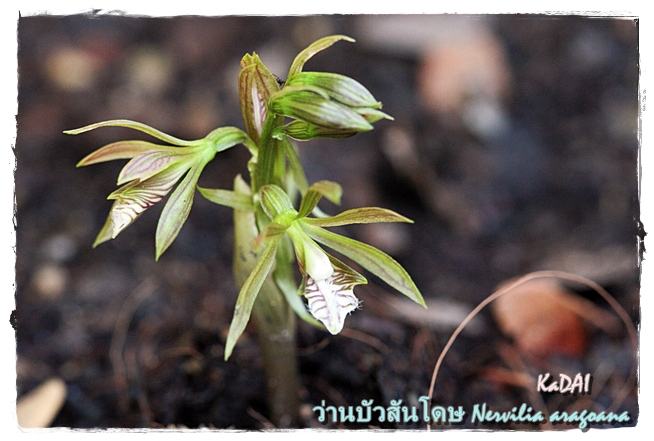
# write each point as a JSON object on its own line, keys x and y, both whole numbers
{"x": 39, "y": 408}
{"x": 543, "y": 318}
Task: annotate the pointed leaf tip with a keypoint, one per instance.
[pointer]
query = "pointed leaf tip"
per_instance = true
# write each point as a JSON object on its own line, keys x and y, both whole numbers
{"x": 313, "y": 49}
{"x": 248, "y": 295}
{"x": 376, "y": 261}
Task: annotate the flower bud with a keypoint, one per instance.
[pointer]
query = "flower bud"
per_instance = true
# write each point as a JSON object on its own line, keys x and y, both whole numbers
{"x": 340, "y": 88}
{"x": 255, "y": 85}
{"x": 315, "y": 109}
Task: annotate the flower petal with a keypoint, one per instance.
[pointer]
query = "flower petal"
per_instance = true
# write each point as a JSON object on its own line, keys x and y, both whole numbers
{"x": 118, "y": 150}
{"x": 366, "y": 215}
{"x": 136, "y": 126}
{"x": 312, "y": 50}
{"x": 341, "y": 88}
{"x": 152, "y": 162}
{"x": 330, "y": 190}
{"x": 331, "y": 299}
{"x": 315, "y": 109}
{"x": 177, "y": 210}
{"x": 377, "y": 262}
{"x": 136, "y": 197}
{"x": 228, "y": 198}
{"x": 248, "y": 295}
{"x": 329, "y": 303}
{"x": 106, "y": 233}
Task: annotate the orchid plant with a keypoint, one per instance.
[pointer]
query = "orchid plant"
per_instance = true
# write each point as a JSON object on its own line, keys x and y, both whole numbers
{"x": 271, "y": 235}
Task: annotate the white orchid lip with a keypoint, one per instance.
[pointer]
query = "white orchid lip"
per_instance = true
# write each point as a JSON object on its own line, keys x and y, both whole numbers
{"x": 328, "y": 283}
{"x": 330, "y": 300}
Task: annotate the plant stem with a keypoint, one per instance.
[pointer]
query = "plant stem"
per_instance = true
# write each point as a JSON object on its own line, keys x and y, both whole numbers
{"x": 275, "y": 321}
{"x": 276, "y": 331}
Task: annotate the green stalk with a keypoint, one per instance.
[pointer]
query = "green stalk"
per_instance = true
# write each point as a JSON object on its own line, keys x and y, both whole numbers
{"x": 276, "y": 330}
{"x": 274, "y": 318}
{"x": 268, "y": 150}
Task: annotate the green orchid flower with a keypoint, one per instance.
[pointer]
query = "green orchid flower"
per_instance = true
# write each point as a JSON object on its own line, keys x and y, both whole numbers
{"x": 152, "y": 172}
{"x": 323, "y": 105}
{"x": 328, "y": 283}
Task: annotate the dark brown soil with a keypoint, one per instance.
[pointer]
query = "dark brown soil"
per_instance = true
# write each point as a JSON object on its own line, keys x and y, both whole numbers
{"x": 140, "y": 344}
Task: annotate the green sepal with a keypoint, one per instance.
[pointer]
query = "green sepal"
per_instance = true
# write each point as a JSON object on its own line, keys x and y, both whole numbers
{"x": 248, "y": 295}
{"x": 227, "y": 198}
{"x": 366, "y": 215}
{"x": 340, "y": 88}
{"x": 150, "y": 163}
{"x": 303, "y": 131}
{"x": 118, "y": 150}
{"x": 226, "y": 137}
{"x": 133, "y": 198}
{"x": 276, "y": 204}
{"x": 312, "y": 50}
{"x": 299, "y": 90}
{"x": 136, "y": 126}
{"x": 372, "y": 115}
{"x": 317, "y": 110}
{"x": 177, "y": 209}
{"x": 330, "y": 190}
{"x": 377, "y": 262}
{"x": 272, "y": 231}
{"x": 106, "y": 233}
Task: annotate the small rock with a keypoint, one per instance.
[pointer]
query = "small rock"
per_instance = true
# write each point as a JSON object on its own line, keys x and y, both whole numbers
{"x": 72, "y": 69}
{"x": 50, "y": 281}
{"x": 39, "y": 408}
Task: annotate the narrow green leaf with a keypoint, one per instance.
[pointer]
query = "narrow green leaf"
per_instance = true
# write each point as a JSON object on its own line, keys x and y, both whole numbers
{"x": 176, "y": 211}
{"x": 377, "y": 262}
{"x": 228, "y": 198}
{"x": 248, "y": 295}
{"x": 366, "y": 215}
{"x": 118, "y": 150}
{"x": 328, "y": 189}
{"x": 136, "y": 126}
{"x": 312, "y": 50}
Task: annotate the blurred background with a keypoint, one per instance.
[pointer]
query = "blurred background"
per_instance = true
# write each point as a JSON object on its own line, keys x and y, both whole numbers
{"x": 514, "y": 149}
